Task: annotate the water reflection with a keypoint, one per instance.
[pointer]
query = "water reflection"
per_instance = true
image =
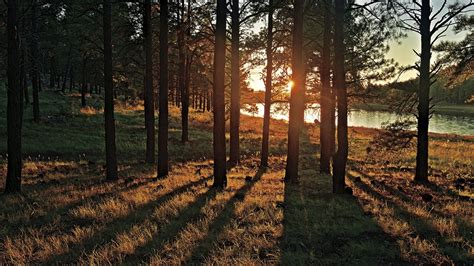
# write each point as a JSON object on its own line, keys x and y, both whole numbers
{"x": 461, "y": 125}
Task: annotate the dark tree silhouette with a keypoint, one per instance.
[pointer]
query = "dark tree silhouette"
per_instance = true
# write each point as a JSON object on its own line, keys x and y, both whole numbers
{"x": 182, "y": 80}
{"x": 340, "y": 160}
{"x": 34, "y": 60}
{"x": 268, "y": 88}
{"x": 149, "y": 94}
{"x": 220, "y": 179}
{"x": 297, "y": 101}
{"x": 234, "y": 157}
{"x": 15, "y": 99}
{"x": 163, "y": 165}
{"x": 327, "y": 104}
{"x": 110, "y": 148}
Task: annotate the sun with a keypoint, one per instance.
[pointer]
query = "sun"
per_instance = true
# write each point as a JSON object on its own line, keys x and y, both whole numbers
{"x": 291, "y": 83}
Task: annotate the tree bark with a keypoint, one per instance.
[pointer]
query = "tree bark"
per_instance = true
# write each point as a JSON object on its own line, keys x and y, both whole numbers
{"x": 424, "y": 95}
{"x": 220, "y": 178}
{"x": 14, "y": 105}
{"x": 149, "y": 94}
{"x": 184, "y": 91}
{"x": 163, "y": 165}
{"x": 340, "y": 160}
{"x": 268, "y": 89}
{"x": 83, "y": 85}
{"x": 52, "y": 72}
{"x": 34, "y": 61}
{"x": 110, "y": 148}
{"x": 297, "y": 104}
{"x": 235, "y": 85}
{"x": 326, "y": 102}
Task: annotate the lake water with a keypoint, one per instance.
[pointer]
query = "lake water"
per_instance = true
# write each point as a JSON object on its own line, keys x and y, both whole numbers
{"x": 461, "y": 125}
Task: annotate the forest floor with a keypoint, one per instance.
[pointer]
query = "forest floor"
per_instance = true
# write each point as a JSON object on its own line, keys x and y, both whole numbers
{"x": 67, "y": 213}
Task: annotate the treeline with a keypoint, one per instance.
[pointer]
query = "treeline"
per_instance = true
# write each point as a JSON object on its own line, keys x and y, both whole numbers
{"x": 199, "y": 53}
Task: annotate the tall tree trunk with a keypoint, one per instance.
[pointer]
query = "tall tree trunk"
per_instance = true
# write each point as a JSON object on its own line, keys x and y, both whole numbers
{"x": 220, "y": 178}
{"x": 297, "y": 104}
{"x": 14, "y": 105}
{"x": 326, "y": 102}
{"x": 52, "y": 72}
{"x": 163, "y": 165}
{"x": 149, "y": 94}
{"x": 110, "y": 148}
{"x": 84, "y": 85}
{"x": 340, "y": 160}
{"x": 424, "y": 95}
{"x": 184, "y": 91}
{"x": 268, "y": 89}
{"x": 209, "y": 100}
{"x": 67, "y": 70}
{"x": 71, "y": 79}
{"x": 23, "y": 69}
{"x": 34, "y": 61}
{"x": 235, "y": 85}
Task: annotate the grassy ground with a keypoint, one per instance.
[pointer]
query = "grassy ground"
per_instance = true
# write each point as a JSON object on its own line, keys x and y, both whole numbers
{"x": 68, "y": 214}
{"x": 442, "y": 108}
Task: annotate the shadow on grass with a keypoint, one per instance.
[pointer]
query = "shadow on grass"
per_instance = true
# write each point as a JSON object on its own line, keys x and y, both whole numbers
{"x": 57, "y": 214}
{"x": 121, "y": 224}
{"x": 421, "y": 226}
{"x": 217, "y": 227}
{"x": 321, "y": 228}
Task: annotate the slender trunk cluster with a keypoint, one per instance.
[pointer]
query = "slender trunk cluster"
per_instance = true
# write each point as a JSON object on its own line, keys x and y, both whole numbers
{"x": 163, "y": 165}
{"x": 297, "y": 101}
{"x": 220, "y": 178}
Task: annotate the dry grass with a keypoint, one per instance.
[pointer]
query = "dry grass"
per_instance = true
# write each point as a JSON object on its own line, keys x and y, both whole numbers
{"x": 67, "y": 214}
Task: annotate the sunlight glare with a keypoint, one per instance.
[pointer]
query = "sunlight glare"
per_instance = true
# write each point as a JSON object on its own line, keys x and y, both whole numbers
{"x": 291, "y": 83}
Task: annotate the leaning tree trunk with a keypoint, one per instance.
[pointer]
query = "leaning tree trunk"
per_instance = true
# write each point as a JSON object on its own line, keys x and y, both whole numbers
{"x": 297, "y": 102}
{"x": 340, "y": 160}
{"x": 163, "y": 165}
{"x": 34, "y": 61}
{"x": 268, "y": 89}
{"x": 220, "y": 178}
{"x": 424, "y": 95}
{"x": 14, "y": 105}
{"x": 110, "y": 148}
{"x": 235, "y": 86}
{"x": 149, "y": 94}
{"x": 326, "y": 101}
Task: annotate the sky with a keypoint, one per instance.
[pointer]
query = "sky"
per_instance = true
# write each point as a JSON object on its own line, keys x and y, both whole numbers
{"x": 401, "y": 51}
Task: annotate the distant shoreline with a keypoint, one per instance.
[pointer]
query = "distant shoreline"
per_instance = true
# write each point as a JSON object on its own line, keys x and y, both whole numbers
{"x": 444, "y": 109}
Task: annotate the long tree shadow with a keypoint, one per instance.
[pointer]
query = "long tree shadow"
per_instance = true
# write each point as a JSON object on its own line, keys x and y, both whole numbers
{"x": 322, "y": 228}
{"x": 170, "y": 230}
{"x": 60, "y": 214}
{"x": 218, "y": 225}
{"x": 464, "y": 227}
{"x": 122, "y": 224}
{"x": 422, "y": 227}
